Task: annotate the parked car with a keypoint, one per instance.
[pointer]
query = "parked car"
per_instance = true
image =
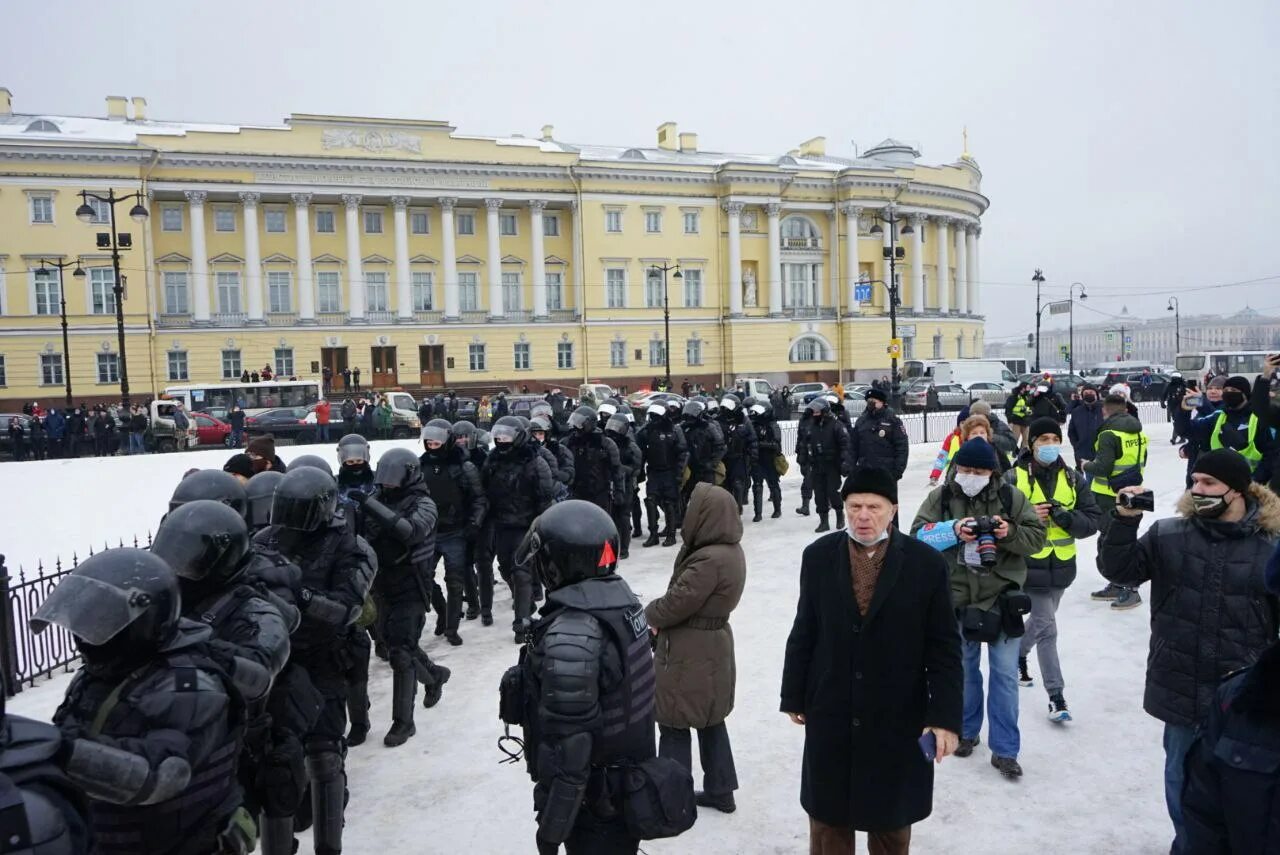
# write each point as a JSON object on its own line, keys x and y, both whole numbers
{"x": 641, "y": 400}
{"x": 951, "y": 396}
{"x": 211, "y": 431}
{"x": 993, "y": 393}
{"x": 855, "y": 402}
{"x": 6, "y": 446}
{"x": 283, "y": 423}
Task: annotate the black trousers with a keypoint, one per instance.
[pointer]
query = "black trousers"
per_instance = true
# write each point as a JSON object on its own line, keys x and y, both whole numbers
{"x": 763, "y": 473}
{"x": 826, "y": 487}
{"x": 806, "y": 486}
{"x": 517, "y": 576}
{"x": 358, "y": 676}
{"x": 662, "y": 492}
{"x": 594, "y": 836}
{"x": 737, "y": 479}
{"x": 452, "y": 547}
{"x": 635, "y": 511}
{"x": 719, "y": 775}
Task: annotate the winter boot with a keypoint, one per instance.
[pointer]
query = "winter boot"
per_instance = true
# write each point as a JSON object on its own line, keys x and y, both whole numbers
{"x": 358, "y": 733}
{"x": 1058, "y": 711}
{"x": 473, "y": 611}
{"x": 1024, "y": 676}
{"x": 839, "y": 520}
{"x": 653, "y": 538}
{"x": 1008, "y": 766}
{"x": 1110, "y": 592}
{"x": 966, "y": 746}
{"x": 777, "y": 508}
{"x": 486, "y": 618}
{"x": 432, "y": 693}
{"x": 275, "y": 833}
{"x": 757, "y": 501}
{"x": 636, "y": 531}
{"x": 1129, "y": 599}
{"x": 327, "y": 799}
{"x": 403, "y": 687}
{"x": 441, "y": 607}
{"x": 721, "y": 802}
{"x": 825, "y": 525}
{"x": 803, "y": 510}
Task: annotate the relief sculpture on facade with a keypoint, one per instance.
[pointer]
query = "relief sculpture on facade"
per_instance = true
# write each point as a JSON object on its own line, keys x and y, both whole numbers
{"x": 371, "y": 140}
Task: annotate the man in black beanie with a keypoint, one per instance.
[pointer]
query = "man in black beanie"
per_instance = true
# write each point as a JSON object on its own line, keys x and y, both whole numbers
{"x": 1236, "y": 426}
{"x": 1206, "y": 570}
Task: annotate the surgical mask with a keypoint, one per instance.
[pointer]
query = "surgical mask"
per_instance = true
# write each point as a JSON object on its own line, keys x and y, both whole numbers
{"x": 1048, "y": 454}
{"x": 1089, "y": 399}
{"x": 972, "y": 485}
{"x": 884, "y": 535}
{"x": 1208, "y": 505}
{"x": 1233, "y": 398}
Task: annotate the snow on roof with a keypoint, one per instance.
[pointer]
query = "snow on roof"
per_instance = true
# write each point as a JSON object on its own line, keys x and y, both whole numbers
{"x": 86, "y": 129}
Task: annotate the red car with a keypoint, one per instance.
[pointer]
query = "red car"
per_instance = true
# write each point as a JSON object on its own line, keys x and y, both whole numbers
{"x": 211, "y": 431}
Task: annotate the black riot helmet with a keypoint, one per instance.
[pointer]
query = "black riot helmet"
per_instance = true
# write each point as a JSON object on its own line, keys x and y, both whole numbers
{"x": 693, "y": 410}
{"x": 657, "y": 413}
{"x": 624, "y": 409}
{"x": 760, "y": 411}
{"x": 259, "y": 491}
{"x": 203, "y": 541}
{"x": 819, "y": 406}
{"x": 397, "y": 469}
{"x": 438, "y": 430}
{"x": 482, "y": 440}
{"x": 305, "y": 500}
{"x": 605, "y": 412}
{"x": 508, "y": 435}
{"x": 121, "y": 605}
{"x": 583, "y": 418}
{"x": 617, "y": 425}
{"x": 211, "y": 484}
{"x": 541, "y": 408}
{"x": 314, "y": 461}
{"x": 464, "y": 434}
{"x": 524, "y": 422}
{"x": 540, "y": 424}
{"x": 352, "y": 447}
{"x": 571, "y": 541}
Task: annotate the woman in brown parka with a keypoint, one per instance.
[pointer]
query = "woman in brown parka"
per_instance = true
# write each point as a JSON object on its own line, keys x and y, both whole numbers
{"x": 694, "y": 662}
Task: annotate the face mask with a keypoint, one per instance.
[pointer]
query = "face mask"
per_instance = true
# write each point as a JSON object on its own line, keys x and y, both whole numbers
{"x": 972, "y": 485}
{"x": 1209, "y": 506}
{"x": 1233, "y": 398}
{"x": 1048, "y": 454}
{"x": 1089, "y": 399}
{"x": 884, "y": 535}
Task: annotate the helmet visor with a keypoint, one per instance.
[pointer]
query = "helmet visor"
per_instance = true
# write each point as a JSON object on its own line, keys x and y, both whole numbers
{"x": 190, "y": 552}
{"x": 505, "y": 433}
{"x": 394, "y": 472}
{"x": 353, "y": 452}
{"x": 578, "y": 420}
{"x": 435, "y": 434}
{"x": 89, "y": 609}
{"x": 301, "y": 514}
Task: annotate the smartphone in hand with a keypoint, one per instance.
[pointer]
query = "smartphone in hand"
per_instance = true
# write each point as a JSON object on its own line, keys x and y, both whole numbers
{"x": 929, "y": 746}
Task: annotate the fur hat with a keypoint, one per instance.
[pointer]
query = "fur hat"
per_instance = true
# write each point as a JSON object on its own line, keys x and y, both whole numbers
{"x": 871, "y": 480}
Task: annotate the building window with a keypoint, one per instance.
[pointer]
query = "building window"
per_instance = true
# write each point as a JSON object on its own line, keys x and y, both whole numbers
{"x": 691, "y": 222}
{"x": 419, "y": 223}
{"x": 101, "y": 211}
{"x": 328, "y": 290}
{"x": 4, "y": 374}
{"x": 476, "y": 357}
{"x": 693, "y": 351}
{"x": 51, "y": 369}
{"x": 510, "y": 292}
{"x": 617, "y": 354}
{"x": 468, "y": 292}
{"x": 326, "y": 223}
{"x": 908, "y": 348}
{"x": 960, "y": 346}
{"x": 521, "y": 356}
{"x": 274, "y": 219}
{"x": 507, "y": 225}
{"x": 175, "y": 292}
{"x": 171, "y": 218}
{"x": 466, "y": 223}
{"x": 613, "y": 221}
{"x": 178, "y": 365}
{"x": 102, "y": 299}
{"x": 47, "y": 294}
{"x": 937, "y": 346}
{"x": 653, "y": 289}
{"x": 230, "y": 365}
{"x": 421, "y": 286}
{"x": 228, "y": 283}
{"x": 653, "y": 222}
{"x": 564, "y": 354}
{"x": 224, "y": 220}
{"x": 284, "y": 362}
{"x": 373, "y": 222}
{"x": 42, "y": 210}
{"x": 278, "y": 299}
{"x": 808, "y": 350}
{"x": 692, "y": 289}
{"x": 615, "y": 286}
{"x": 108, "y": 368}
{"x": 375, "y": 292}
{"x": 551, "y": 225}
{"x": 657, "y": 353}
{"x": 799, "y": 233}
{"x": 799, "y": 285}
{"x": 555, "y": 290}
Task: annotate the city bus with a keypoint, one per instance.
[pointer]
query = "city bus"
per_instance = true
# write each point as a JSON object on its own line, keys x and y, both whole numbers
{"x": 217, "y": 398}
{"x": 1201, "y": 366}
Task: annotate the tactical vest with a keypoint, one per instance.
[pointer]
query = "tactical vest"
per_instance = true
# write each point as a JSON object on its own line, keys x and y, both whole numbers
{"x": 1057, "y": 540}
{"x": 590, "y": 466}
{"x": 1250, "y": 452}
{"x": 31, "y": 821}
{"x": 1129, "y": 466}
{"x": 446, "y": 492}
{"x": 660, "y": 449}
{"x": 735, "y": 442}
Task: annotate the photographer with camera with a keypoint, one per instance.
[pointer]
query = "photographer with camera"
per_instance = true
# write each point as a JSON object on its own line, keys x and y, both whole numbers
{"x": 1267, "y": 408}
{"x": 1120, "y": 460}
{"x": 1213, "y": 614}
{"x": 986, "y": 529}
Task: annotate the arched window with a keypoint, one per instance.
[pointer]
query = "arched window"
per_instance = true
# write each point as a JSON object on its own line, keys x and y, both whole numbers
{"x": 43, "y": 126}
{"x": 799, "y": 227}
{"x": 809, "y": 349}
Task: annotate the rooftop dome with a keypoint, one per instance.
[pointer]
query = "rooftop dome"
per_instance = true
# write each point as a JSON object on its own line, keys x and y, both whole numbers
{"x": 893, "y": 151}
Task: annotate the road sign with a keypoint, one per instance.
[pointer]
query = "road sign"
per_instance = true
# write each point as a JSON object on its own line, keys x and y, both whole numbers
{"x": 1111, "y": 336}
{"x": 1063, "y": 349}
{"x": 906, "y": 330}
{"x": 1128, "y": 339}
{"x": 895, "y": 347}
{"x": 862, "y": 293}
{"x": 1060, "y": 308}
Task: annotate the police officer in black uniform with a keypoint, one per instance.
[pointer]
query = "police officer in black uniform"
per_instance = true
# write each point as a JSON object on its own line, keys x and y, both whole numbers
{"x": 705, "y": 442}
{"x": 597, "y": 467}
{"x": 355, "y": 475}
{"x": 826, "y": 452}
{"x": 543, "y": 432}
{"x": 619, "y": 430}
{"x": 212, "y": 484}
{"x": 803, "y": 425}
{"x": 315, "y": 461}
{"x": 666, "y": 455}
{"x": 479, "y": 551}
{"x": 879, "y": 439}
{"x": 152, "y": 724}
{"x": 740, "y": 449}
{"x": 258, "y": 494}
{"x": 763, "y": 467}
{"x": 453, "y": 481}
{"x": 587, "y": 696}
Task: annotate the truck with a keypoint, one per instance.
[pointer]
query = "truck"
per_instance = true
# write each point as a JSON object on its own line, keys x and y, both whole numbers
{"x": 754, "y": 387}
{"x": 944, "y": 372}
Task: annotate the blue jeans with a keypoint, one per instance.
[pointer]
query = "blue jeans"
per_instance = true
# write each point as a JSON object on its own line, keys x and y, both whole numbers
{"x": 237, "y": 438}
{"x": 1178, "y": 739}
{"x": 137, "y": 443}
{"x": 1002, "y": 697}
{"x": 322, "y": 432}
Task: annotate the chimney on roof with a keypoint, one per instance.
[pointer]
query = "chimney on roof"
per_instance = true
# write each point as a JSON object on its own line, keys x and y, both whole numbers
{"x": 668, "y": 136}
{"x": 548, "y": 133}
{"x": 688, "y": 142}
{"x": 139, "y": 109}
{"x": 6, "y": 102}
{"x": 117, "y": 107}
{"x": 815, "y": 147}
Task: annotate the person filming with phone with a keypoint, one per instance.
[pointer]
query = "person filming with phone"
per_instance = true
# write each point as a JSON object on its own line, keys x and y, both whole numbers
{"x": 1211, "y": 611}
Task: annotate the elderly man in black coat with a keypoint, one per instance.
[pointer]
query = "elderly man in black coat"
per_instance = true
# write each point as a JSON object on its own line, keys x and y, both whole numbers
{"x": 873, "y": 673}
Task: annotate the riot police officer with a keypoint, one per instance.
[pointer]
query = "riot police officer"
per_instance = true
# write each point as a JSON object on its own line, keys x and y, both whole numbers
{"x": 48, "y": 814}
{"x": 151, "y": 719}
{"x": 315, "y": 461}
{"x": 479, "y": 550}
{"x": 826, "y": 452}
{"x": 355, "y": 475}
{"x": 803, "y": 425}
{"x": 705, "y": 442}
{"x": 764, "y": 468}
{"x": 588, "y": 660}
{"x": 597, "y": 466}
{"x": 619, "y": 430}
{"x": 740, "y": 449}
{"x": 212, "y": 484}
{"x": 543, "y": 433}
{"x": 879, "y": 439}
{"x": 258, "y": 494}
{"x": 666, "y": 455}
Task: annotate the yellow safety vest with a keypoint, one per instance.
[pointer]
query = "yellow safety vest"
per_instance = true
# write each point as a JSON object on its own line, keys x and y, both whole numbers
{"x": 1133, "y": 455}
{"x": 1021, "y": 407}
{"x": 1249, "y": 452}
{"x": 1057, "y": 540}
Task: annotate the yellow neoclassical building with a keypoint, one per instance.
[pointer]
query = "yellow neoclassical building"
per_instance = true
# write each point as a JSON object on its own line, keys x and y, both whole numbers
{"x": 432, "y": 258}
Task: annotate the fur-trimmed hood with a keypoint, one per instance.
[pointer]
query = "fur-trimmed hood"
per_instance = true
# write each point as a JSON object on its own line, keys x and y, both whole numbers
{"x": 1263, "y": 514}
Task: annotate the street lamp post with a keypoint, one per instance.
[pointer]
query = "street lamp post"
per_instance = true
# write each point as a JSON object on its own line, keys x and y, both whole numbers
{"x": 1071, "y": 326}
{"x": 1038, "y": 278}
{"x": 43, "y": 273}
{"x": 666, "y": 314}
{"x": 115, "y": 241}
{"x": 1176, "y": 308}
{"x": 893, "y": 254}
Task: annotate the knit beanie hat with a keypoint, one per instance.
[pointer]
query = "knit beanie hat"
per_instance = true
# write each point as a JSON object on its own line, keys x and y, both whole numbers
{"x": 980, "y": 408}
{"x": 977, "y": 453}
{"x": 1240, "y": 383}
{"x": 263, "y": 446}
{"x": 239, "y": 464}
{"x": 1218, "y": 382}
{"x": 1040, "y": 427}
{"x": 962, "y": 415}
{"x": 1228, "y": 466}
{"x": 870, "y": 480}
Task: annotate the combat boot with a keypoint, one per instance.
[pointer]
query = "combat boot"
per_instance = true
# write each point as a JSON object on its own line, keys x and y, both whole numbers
{"x": 825, "y": 525}
{"x": 777, "y": 508}
{"x": 403, "y": 687}
{"x": 653, "y": 539}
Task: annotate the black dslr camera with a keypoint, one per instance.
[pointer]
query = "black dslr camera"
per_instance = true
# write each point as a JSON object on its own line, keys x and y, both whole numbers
{"x": 1144, "y": 501}
{"x": 984, "y": 529}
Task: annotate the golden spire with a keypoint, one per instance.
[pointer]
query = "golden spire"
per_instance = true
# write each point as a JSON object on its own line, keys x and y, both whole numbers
{"x": 964, "y": 152}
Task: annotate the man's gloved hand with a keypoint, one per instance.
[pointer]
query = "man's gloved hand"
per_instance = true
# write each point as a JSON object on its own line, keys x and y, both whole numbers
{"x": 1061, "y": 517}
{"x": 359, "y": 497}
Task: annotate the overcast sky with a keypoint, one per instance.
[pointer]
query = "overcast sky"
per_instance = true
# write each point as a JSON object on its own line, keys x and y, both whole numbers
{"x": 1131, "y": 145}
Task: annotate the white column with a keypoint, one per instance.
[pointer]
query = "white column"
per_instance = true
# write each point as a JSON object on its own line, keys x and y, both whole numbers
{"x": 494, "y": 262}
{"x": 252, "y": 257}
{"x": 452, "y": 298}
{"x": 918, "y": 222}
{"x": 833, "y": 259}
{"x": 774, "y": 211}
{"x": 944, "y": 284}
{"x": 306, "y": 281}
{"x": 971, "y": 273}
{"x": 199, "y": 257}
{"x": 851, "y": 215}
{"x": 579, "y": 288}
{"x": 355, "y": 268}
{"x": 962, "y": 270}
{"x": 538, "y": 264}
{"x": 404, "y": 289}
{"x": 735, "y": 258}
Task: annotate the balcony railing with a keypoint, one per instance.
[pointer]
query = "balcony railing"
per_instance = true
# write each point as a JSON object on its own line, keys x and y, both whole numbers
{"x": 173, "y": 321}
{"x": 331, "y": 318}
{"x": 473, "y": 316}
{"x": 427, "y": 317}
{"x": 514, "y": 316}
{"x": 229, "y": 319}
{"x": 801, "y": 243}
{"x": 809, "y": 311}
{"x": 380, "y": 316}
{"x": 562, "y": 316}
{"x": 282, "y": 319}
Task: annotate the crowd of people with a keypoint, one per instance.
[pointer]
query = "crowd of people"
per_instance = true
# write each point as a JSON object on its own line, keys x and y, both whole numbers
{"x": 226, "y": 669}
{"x": 102, "y": 430}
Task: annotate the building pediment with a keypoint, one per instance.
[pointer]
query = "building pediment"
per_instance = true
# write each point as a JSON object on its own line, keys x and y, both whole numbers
{"x": 226, "y": 258}
{"x": 327, "y": 259}
{"x": 277, "y": 258}
{"x": 173, "y": 258}
{"x": 375, "y": 259}
{"x": 512, "y": 259}
{"x": 422, "y": 259}
{"x": 555, "y": 259}
{"x": 469, "y": 259}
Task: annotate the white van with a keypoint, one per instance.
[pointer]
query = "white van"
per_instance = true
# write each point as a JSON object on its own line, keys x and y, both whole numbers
{"x": 968, "y": 371}
{"x": 754, "y": 387}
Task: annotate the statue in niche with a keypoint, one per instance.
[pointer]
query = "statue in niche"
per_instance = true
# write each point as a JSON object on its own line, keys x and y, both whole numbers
{"x": 749, "y": 288}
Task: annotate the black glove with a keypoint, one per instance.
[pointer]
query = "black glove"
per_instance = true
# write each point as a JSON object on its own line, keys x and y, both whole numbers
{"x": 1061, "y": 517}
{"x": 359, "y": 497}
{"x": 303, "y": 599}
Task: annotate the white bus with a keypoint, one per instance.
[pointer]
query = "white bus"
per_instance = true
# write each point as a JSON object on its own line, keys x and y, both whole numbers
{"x": 1200, "y": 366}
{"x": 217, "y": 398}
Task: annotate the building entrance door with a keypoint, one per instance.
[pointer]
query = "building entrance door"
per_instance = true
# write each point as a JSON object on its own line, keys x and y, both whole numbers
{"x": 335, "y": 359}
{"x": 431, "y": 365}
{"x": 383, "y": 361}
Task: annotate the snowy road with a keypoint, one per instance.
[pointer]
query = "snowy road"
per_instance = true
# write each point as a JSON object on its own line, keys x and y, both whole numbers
{"x": 1092, "y": 786}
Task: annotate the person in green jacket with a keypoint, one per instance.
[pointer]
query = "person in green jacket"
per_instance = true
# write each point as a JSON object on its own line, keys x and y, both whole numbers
{"x": 1120, "y": 455}
{"x": 981, "y": 591}
{"x": 382, "y": 417}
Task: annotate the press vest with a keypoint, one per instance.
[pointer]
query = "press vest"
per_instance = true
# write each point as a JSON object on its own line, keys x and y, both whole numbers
{"x": 1250, "y": 451}
{"x": 1132, "y": 460}
{"x": 1021, "y": 408}
{"x": 1057, "y": 540}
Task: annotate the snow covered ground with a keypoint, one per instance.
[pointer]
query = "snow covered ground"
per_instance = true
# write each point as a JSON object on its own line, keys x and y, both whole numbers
{"x": 1092, "y": 786}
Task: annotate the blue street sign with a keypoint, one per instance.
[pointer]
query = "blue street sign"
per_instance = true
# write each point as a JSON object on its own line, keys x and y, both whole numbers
{"x": 862, "y": 293}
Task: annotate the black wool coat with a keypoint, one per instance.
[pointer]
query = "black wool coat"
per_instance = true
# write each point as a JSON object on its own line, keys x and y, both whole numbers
{"x": 868, "y": 686}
